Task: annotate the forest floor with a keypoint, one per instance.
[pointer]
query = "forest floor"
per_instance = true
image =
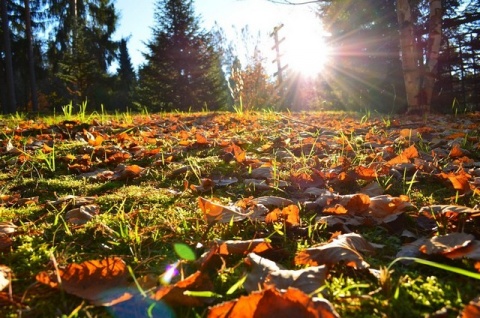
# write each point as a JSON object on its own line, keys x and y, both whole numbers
{"x": 261, "y": 214}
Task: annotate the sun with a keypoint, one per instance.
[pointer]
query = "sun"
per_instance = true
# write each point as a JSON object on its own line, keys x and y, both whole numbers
{"x": 305, "y": 47}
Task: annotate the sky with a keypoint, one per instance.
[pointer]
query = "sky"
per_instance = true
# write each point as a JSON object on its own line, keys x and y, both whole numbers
{"x": 137, "y": 19}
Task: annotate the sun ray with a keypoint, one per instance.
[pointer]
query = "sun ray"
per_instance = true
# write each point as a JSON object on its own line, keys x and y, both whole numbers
{"x": 305, "y": 49}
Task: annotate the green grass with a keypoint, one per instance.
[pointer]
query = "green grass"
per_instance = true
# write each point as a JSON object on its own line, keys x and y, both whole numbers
{"x": 152, "y": 220}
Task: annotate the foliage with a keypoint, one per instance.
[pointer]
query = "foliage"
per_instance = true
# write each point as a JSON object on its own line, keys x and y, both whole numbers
{"x": 366, "y": 68}
{"x": 191, "y": 214}
{"x": 183, "y": 69}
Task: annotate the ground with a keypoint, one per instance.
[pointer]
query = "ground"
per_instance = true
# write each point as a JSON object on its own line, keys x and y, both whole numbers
{"x": 196, "y": 214}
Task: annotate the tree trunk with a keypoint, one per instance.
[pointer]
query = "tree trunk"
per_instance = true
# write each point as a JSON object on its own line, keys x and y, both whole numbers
{"x": 11, "y": 100}
{"x": 433, "y": 48}
{"x": 419, "y": 78}
{"x": 31, "y": 62}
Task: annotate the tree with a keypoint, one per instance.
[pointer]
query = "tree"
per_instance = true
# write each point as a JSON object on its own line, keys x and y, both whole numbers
{"x": 11, "y": 102}
{"x": 365, "y": 70}
{"x": 126, "y": 77}
{"x": 183, "y": 69}
{"x": 419, "y": 71}
{"x": 82, "y": 49}
{"x": 418, "y": 50}
{"x": 31, "y": 58}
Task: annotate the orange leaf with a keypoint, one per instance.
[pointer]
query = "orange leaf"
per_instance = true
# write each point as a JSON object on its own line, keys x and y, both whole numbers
{"x": 409, "y": 153}
{"x": 215, "y": 212}
{"x": 96, "y": 142}
{"x": 271, "y": 303}
{"x": 103, "y": 282}
{"x": 47, "y": 149}
{"x": 128, "y": 172}
{"x": 335, "y": 209}
{"x": 201, "y": 139}
{"x": 459, "y": 180}
{"x": 344, "y": 248}
{"x": 365, "y": 173}
{"x": 240, "y": 155}
{"x": 291, "y": 214}
{"x": 456, "y": 151}
{"x": 174, "y": 294}
{"x": 243, "y": 247}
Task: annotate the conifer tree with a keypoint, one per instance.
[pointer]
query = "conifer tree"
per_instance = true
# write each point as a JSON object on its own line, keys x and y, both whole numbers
{"x": 126, "y": 78}
{"x": 183, "y": 68}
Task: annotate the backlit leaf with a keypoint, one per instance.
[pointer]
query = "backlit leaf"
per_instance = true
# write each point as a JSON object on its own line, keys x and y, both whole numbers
{"x": 184, "y": 251}
{"x": 102, "y": 282}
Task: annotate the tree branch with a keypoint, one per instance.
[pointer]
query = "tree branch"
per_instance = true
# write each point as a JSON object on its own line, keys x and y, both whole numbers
{"x": 294, "y": 3}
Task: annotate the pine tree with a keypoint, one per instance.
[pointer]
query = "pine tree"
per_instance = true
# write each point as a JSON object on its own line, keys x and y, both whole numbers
{"x": 126, "y": 78}
{"x": 183, "y": 69}
{"x": 82, "y": 48}
{"x": 10, "y": 101}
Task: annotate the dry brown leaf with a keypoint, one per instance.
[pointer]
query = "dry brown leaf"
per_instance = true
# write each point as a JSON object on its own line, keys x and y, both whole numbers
{"x": 273, "y": 201}
{"x": 445, "y": 244}
{"x": 407, "y": 154}
{"x": 215, "y": 212}
{"x": 7, "y": 228}
{"x": 307, "y": 180}
{"x": 83, "y": 214}
{"x": 5, "y": 242}
{"x": 174, "y": 294}
{"x": 95, "y": 142}
{"x": 472, "y": 309}
{"x": 5, "y": 277}
{"x": 242, "y": 247}
{"x": 123, "y": 172}
{"x": 271, "y": 303}
{"x": 289, "y": 214}
{"x": 345, "y": 247}
{"x": 102, "y": 282}
{"x": 266, "y": 273}
{"x": 239, "y": 153}
{"x": 384, "y": 205}
{"x": 365, "y": 173}
{"x": 201, "y": 139}
{"x": 264, "y": 173}
{"x": 372, "y": 189}
{"x": 450, "y": 211}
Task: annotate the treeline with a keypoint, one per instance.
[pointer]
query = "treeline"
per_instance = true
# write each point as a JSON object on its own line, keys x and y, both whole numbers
{"x": 56, "y": 52}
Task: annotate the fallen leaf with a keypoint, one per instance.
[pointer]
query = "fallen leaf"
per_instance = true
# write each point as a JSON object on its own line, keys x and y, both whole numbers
{"x": 83, "y": 214}
{"x": 372, "y": 189}
{"x": 407, "y": 154}
{"x": 271, "y": 303}
{"x": 102, "y": 282}
{"x": 215, "y": 212}
{"x": 345, "y": 247}
{"x": 472, "y": 309}
{"x": 242, "y": 247}
{"x": 446, "y": 244}
{"x": 266, "y": 273}
{"x": 123, "y": 172}
{"x": 384, "y": 205}
{"x": 5, "y": 277}
{"x": 174, "y": 295}
{"x": 7, "y": 228}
